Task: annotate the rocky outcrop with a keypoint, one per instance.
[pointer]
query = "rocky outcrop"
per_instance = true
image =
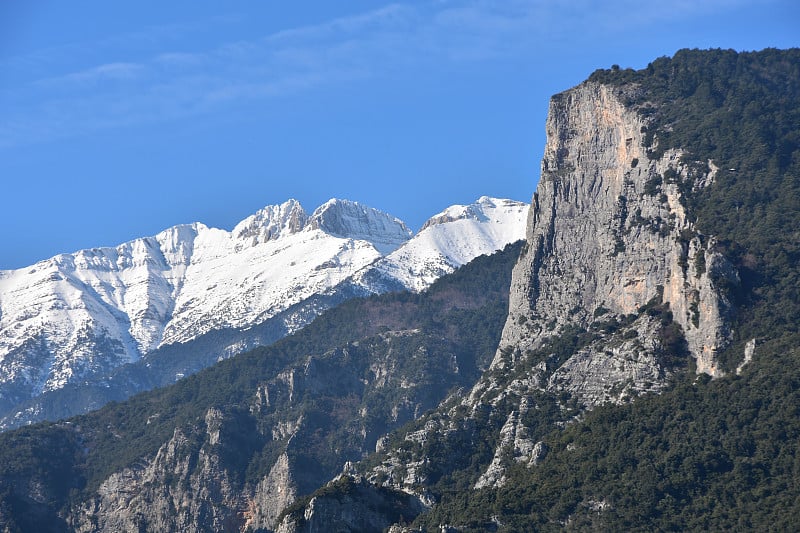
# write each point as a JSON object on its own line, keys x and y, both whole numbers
{"x": 270, "y": 223}
{"x": 187, "y": 486}
{"x": 180, "y": 489}
{"x": 514, "y": 445}
{"x": 272, "y": 495}
{"x": 749, "y": 351}
{"x": 348, "y": 219}
{"x": 351, "y": 505}
{"x": 614, "y": 368}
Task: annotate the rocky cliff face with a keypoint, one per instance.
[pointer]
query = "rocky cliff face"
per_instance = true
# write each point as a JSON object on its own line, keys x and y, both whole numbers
{"x": 180, "y": 489}
{"x": 351, "y": 505}
{"x": 608, "y": 233}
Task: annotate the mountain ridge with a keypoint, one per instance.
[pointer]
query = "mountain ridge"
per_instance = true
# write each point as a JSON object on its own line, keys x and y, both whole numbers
{"x": 77, "y": 317}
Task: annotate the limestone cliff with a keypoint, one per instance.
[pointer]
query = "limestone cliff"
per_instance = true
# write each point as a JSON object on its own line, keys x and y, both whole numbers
{"x": 609, "y": 233}
{"x": 180, "y": 489}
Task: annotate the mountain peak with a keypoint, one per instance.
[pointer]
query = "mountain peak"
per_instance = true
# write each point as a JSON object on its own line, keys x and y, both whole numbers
{"x": 348, "y": 219}
{"x": 477, "y": 210}
{"x": 447, "y": 241}
{"x": 271, "y": 222}
{"x": 279, "y": 266}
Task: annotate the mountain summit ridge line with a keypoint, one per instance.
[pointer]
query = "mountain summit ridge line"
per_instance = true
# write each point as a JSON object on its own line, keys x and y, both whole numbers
{"x": 83, "y": 314}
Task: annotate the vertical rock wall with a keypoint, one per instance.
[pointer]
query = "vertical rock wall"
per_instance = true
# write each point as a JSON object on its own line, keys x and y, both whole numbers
{"x": 608, "y": 231}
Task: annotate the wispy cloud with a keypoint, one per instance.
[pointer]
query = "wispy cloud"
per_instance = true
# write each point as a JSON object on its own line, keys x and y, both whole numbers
{"x": 174, "y": 83}
{"x": 108, "y": 72}
{"x": 387, "y": 17}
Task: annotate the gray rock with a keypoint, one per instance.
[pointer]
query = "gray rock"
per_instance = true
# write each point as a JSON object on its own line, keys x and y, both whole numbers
{"x": 352, "y": 506}
{"x": 749, "y": 351}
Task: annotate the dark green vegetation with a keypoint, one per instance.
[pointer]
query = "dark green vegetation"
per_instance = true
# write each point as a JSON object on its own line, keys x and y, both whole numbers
{"x": 432, "y": 343}
{"x": 719, "y": 455}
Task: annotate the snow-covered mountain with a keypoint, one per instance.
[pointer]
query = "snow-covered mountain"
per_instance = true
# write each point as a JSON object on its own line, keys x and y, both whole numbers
{"x": 447, "y": 241}
{"x": 77, "y": 316}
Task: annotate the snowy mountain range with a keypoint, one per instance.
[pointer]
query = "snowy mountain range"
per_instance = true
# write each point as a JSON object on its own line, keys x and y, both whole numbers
{"x": 74, "y": 317}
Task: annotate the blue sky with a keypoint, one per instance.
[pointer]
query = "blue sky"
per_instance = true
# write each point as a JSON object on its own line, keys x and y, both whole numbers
{"x": 120, "y": 119}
